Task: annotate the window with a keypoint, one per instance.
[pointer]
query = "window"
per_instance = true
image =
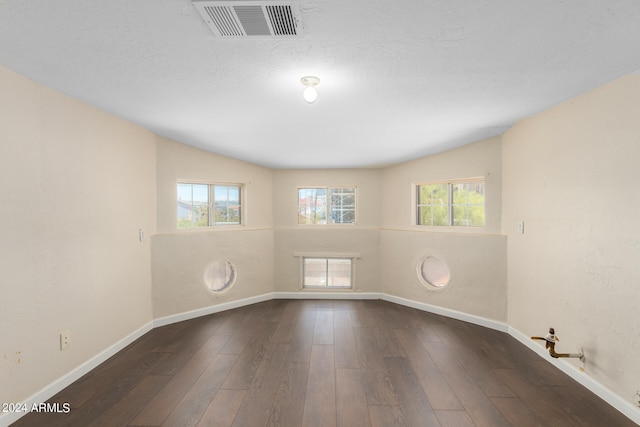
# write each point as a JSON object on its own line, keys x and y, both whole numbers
{"x": 456, "y": 203}
{"x": 326, "y": 272}
{"x": 324, "y": 205}
{"x": 204, "y": 205}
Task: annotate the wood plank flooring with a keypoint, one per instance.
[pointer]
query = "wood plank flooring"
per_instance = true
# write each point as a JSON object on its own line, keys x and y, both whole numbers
{"x": 327, "y": 363}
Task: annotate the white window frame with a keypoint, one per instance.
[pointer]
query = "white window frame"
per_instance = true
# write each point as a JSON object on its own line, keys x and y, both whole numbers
{"x": 353, "y": 257}
{"x": 328, "y": 207}
{"x": 450, "y": 205}
{"x": 211, "y": 205}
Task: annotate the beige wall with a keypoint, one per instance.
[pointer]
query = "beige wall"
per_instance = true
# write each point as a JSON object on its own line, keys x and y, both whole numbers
{"x": 571, "y": 174}
{"x": 180, "y": 257}
{"x": 177, "y": 162}
{"x": 475, "y": 256}
{"x": 285, "y": 197}
{"x": 481, "y": 159}
{"x": 179, "y": 262}
{"x": 75, "y": 186}
{"x": 361, "y": 238}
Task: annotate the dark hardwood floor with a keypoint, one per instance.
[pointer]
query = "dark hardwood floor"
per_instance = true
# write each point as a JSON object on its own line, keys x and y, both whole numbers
{"x": 327, "y": 363}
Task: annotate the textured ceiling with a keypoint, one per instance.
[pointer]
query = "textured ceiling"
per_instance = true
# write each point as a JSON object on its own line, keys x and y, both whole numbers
{"x": 399, "y": 79}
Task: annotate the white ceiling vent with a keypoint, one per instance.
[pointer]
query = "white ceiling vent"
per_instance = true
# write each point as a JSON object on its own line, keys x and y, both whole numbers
{"x": 247, "y": 18}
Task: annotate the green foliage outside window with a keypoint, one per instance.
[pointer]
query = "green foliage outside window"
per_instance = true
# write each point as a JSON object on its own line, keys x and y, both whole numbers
{"x": 433, "y": 204}
{"x": 460, "y": 204}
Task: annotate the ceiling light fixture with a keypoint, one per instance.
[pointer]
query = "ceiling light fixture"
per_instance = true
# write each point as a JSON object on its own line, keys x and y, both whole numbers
{"x": 310, "y": 93}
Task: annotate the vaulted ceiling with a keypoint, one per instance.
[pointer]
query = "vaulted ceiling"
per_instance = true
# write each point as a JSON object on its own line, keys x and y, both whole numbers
{"x": 398, "y": 79}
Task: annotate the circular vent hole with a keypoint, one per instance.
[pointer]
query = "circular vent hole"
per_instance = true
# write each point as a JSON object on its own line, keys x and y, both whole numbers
{"x": 219, "y": 275}
{"x": 433, "y": 272}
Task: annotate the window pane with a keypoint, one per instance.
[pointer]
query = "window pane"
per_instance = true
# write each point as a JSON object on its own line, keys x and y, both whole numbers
{"x": 476, "y": 216}
{"x": 220, "y": 193}
{"x": 465, "y": 209}
{"x": 476, "y": 193}
{"x": 315, "y": 272}
{"x": 425, "y": 215}
{"x": 424, "y": 194}
{"x": 227, "y": 215}
{"x": 193, "y": 205}
{"x": 339, "y": 273}
{"x": 184, "y": 193}
{"x": 200, "y": 193}
{"x": 459, "y": 193}
{"x": 327, "y": 205}
{"x": 234, "y": 195}
{"x": 200, "y": 205}
{"x": 312, "y": 206}
{"x": 441, "y": 215}
{"x": 476, "y": 202}
{"x": 433, "y": 204}
{"x": 343, "y": 205}
{"x": 460, "y": 215}
{"x": 185, "y": 206}
{"x": 327, "y": 272}
{"x": 227, "y": 205}
{"x": 433, "y": 194}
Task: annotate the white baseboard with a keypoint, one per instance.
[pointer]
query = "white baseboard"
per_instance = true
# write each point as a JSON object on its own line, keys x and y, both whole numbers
{"x": 72, "y": 376}
{"x": 447, "y": 312}
{"x": 613, "y": 399}
{"x": 205, "y": 311}
{"x": 622, "y": 405}
{"x": 174, "y": 318}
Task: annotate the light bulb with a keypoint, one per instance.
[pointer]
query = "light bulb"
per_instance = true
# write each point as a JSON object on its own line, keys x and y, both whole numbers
{"x": 310, "y": 94}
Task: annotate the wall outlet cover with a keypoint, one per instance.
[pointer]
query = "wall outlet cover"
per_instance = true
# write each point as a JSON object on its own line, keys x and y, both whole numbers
{"x": 65, "y": 339}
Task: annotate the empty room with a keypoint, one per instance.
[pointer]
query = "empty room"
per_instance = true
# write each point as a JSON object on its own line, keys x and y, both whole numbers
{"x": 316, "y": 213}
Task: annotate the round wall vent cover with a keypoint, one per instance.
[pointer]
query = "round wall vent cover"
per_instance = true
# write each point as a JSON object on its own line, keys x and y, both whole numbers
{"x": 219, "y": 275}
{"x": 433, "y": 272}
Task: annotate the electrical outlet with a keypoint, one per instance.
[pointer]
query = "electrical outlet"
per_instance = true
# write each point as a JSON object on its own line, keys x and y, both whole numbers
{"x": 520, "y": 227}
{"x": 636, "y": 399}
{"x": 65, "y": 339}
